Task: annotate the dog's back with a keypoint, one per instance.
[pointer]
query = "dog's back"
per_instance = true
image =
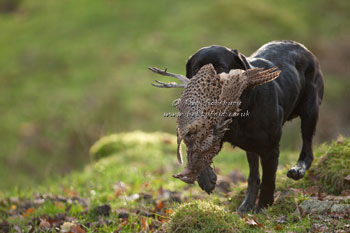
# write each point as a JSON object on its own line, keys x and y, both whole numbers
{"x": 300, "y": 72}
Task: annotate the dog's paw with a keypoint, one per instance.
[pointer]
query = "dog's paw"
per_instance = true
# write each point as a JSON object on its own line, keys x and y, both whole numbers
{"x": 207, "y": 180}
{"x": 246, "y": 207}
{"x": 297, "y": 172}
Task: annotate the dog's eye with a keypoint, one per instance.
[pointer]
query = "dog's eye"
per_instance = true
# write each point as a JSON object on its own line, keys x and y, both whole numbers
{"x": 220, "y": 69}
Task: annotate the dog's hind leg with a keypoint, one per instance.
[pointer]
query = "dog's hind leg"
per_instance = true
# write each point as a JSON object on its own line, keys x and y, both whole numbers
{"x": 308, "y": 112}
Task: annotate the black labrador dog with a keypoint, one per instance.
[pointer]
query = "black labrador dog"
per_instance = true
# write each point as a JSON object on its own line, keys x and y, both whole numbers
{"x": 297, "y": 92}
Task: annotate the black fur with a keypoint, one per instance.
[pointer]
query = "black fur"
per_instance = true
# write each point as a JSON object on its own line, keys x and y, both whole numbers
{"x": 297, "y": 92}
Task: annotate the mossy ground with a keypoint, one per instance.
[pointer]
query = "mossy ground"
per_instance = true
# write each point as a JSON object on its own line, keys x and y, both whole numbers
{"x": 129, "y": 188}
{"x": 332, "y": 166}
{"x": 202, "y": 216}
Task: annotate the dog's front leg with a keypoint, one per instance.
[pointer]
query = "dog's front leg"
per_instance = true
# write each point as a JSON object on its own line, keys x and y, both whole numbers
{"x": 248, "y": 203}
{"x": 269, "y": 163}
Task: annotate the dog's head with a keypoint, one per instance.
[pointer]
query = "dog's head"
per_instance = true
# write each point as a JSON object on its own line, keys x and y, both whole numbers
{"x": 222, "y": 58}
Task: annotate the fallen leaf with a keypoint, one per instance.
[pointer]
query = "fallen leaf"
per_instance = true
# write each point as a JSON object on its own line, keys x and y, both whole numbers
{"x": 162, "y": 219}
{"x": 29, "y": 212}
{"x": 70, "y": 192}
{"x": 159, "y": 205}
{"x": 252, "y": 221}
{"x": 44, "y": 224}
{"x": 65, "y": 228}
{"x": 123, "y": 223}
{"x": 55, "y": 221}
{"x": 144, "y": 224}
{"x": 169, "y": 211}
{"x": 13, "y": 207}
{"x": 77, "y": 229}
{"x": 278, "y": 227}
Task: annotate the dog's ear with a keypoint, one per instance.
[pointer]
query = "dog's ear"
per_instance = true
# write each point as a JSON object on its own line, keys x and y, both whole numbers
{"x": 189, "y": 67}
{"x": 239, "y": 60}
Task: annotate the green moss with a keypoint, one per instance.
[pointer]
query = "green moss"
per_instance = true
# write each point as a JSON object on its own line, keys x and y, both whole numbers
{"x": 118, "y": 142}
{"x": 331, "y": 166}
{"x": 202, "y": 216}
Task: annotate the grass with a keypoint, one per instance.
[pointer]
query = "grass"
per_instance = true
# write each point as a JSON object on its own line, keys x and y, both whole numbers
{"x": 129, "y": 188}
{"x": 72, "y": 71}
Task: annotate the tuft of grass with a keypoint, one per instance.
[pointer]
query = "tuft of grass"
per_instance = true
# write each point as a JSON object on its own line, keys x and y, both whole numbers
{"x": 331, "y": 166}
{"x": 202, "y": 216}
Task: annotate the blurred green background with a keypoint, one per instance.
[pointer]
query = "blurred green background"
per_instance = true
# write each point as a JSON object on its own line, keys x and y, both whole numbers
{"x": 72, "y": 71}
